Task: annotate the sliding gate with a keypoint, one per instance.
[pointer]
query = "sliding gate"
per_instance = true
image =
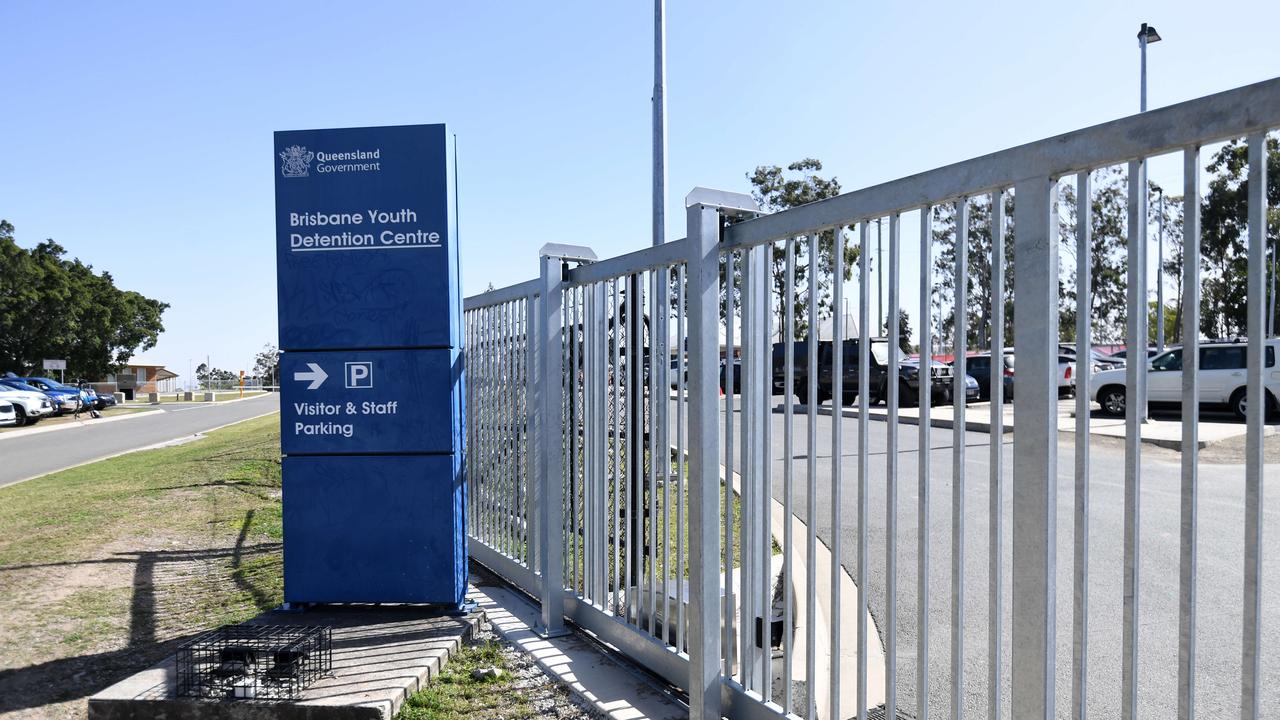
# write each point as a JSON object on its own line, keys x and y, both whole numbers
{"x": 774, "y": 558}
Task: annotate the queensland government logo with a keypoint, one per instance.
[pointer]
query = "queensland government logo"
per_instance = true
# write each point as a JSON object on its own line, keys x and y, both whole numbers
{"x": 296, "y": 161}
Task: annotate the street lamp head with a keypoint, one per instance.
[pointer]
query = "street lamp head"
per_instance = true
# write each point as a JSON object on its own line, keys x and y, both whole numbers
{"x": 1148, "y": 34}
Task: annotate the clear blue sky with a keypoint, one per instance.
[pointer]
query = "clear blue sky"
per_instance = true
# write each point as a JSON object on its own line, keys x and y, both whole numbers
{"x": 138, "y": 135}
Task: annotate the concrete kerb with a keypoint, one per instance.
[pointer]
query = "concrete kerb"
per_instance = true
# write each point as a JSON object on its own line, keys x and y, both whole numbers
{"x": 848, "y": 618}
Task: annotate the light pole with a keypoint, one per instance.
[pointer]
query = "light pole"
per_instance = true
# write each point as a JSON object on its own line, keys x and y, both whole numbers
{"x": 659, "y": 121}
{"x": 1146, "y": 36}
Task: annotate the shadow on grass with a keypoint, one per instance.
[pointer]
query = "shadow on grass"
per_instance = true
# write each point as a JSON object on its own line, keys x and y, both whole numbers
{"x": 83, "y": 675}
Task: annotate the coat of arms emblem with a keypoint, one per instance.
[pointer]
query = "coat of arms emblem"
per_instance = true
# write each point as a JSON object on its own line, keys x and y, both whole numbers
{"x": 297, "y": 161}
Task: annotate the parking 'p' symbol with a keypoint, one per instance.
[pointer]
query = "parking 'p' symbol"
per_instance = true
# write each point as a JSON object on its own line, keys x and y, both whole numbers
{"x": 359, "y": 374}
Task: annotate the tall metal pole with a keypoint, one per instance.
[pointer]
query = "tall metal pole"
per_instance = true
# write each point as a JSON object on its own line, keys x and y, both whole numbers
{"x": 1142, "y": 45}
{"x": 659, "y": 121}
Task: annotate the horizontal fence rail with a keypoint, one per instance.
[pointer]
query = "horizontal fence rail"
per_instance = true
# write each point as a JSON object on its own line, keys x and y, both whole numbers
{"x": 681, "y": 449}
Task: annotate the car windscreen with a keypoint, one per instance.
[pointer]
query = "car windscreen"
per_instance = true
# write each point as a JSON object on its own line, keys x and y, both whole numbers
{"x": 880, "y": 351}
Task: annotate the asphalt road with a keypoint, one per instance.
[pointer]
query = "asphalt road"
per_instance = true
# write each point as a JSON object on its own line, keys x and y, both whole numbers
{"x": 23, "y": 457}
{"x": 1220, "y": 584}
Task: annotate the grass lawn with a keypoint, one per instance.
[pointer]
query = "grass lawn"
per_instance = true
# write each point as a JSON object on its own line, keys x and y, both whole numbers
{"x": 456, "y": 693}
{"x": 106, "y": 568}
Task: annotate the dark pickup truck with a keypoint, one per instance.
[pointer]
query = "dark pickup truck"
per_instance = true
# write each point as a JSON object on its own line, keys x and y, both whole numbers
{"x": 908, "y": 373}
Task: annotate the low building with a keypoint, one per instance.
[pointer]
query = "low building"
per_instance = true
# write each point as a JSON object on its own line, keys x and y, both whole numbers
{"x": 139, "y": 378}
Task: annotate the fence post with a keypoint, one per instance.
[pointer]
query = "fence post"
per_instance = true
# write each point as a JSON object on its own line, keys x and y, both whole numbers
{"x": 1035, "y": 449}
{"x": 703, "y": 281}
{"x": 548, "y": 485}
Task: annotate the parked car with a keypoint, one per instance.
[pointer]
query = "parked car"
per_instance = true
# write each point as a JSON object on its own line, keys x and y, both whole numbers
{"x": 7, "y": 414}
{"x": 57, "y": 401}
{"x": 1066, "y": 373}
{"x": 1123, "y": 355}
{"x": 909, "y": 383}
{"x": 1222, "y": 377}
{"x": 737, "y": 377}
{"x": 65, "y": 398}
{"x": 979, "y": 366}
{"x": 800, "y": 369}
{"x": 28, "y": 405}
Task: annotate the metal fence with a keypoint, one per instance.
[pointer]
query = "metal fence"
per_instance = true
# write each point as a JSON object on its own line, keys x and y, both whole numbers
{"x": 702, "y": 535}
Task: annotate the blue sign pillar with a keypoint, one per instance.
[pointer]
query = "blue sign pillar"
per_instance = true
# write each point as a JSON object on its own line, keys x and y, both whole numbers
{"x": 371, "y": 374}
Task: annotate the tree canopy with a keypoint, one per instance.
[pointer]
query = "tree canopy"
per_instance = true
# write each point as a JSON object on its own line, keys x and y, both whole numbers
{"x": 54, "y": 307}
{"x": 775, "y": 191}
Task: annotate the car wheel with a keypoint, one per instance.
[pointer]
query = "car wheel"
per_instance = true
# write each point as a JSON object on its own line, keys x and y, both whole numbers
{"x": 1240, "y": 404}
{"x": 1112, "y": 400}
{"x": 802, "y": 396}
{"x": 20, "y": 415}
{"x": 905, "y": 398}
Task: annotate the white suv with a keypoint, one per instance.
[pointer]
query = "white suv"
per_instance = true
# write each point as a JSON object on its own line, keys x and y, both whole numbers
{"x": 1223, "y": 379}
{"x": 29, "y": 406}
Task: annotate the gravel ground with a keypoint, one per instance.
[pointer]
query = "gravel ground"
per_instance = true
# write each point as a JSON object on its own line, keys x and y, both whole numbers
{"x": 548, "y": 697}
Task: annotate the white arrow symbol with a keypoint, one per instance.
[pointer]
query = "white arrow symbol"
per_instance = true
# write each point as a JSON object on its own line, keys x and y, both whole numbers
{"x": 317, "y": 376}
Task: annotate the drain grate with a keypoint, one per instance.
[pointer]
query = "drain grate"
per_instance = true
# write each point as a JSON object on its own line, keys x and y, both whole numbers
{"x": 254, "y": 662}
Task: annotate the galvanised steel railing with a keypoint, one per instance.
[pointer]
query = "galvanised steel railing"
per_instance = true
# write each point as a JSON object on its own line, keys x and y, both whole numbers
{"x": 609, "y": 480}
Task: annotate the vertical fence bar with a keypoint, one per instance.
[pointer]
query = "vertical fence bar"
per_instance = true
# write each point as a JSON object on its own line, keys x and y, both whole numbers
{"x": 730, "y": 599}
{"x": 1035, "y": 456}
{"x": 618, "y": 537}
{"x": 1084, "y": 366}
{"x": 600, "y": 420}
{"x": 681, "y": 400}
{"x": 1188, "y": 531}
{"x": 510, "y": 417}
{"x": 761, "y": 383}
{"x": 959, "y": 390}
{"x": 549, "y": 482}
{"x": 811, "y": 489}
{"x": 651, "y": 420}
{"x": 635, "y": 447}
{"x": 995, "y": 556}
{"x": 922, "y": 458}
{"x": 531, "y": 377}
{"x": 508, "y": 437}
{"x": 575, "y": 443}
{"x": 891, "y": 484}
{"x": 1251, "y": 654}
{"x": 750, "y": 654}
{"x": 788, "y": 471}
{"x": 661, "y": 366}
{"x": 1135, "y": 416}
{"x": 864, "y": 467}
{"x": 704, "y": 477}
{"x": 587, "y": 525}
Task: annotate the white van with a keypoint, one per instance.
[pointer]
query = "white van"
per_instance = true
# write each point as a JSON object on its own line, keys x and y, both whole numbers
{"x": 1223, "y": 379}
